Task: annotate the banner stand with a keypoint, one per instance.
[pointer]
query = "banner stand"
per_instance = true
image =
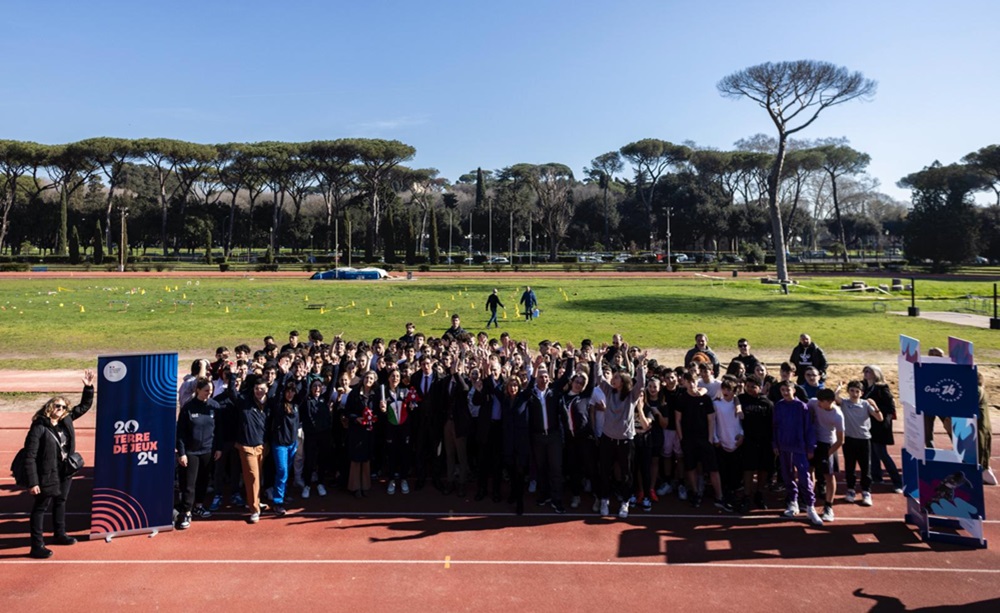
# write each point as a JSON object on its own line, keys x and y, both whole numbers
{"x": 134, "y": 445}
{"x": 943, "y": 487}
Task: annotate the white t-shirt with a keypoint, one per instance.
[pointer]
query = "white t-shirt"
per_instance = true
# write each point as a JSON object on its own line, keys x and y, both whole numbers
{"x": 857, "y": 418}
{"x": 828, "y": 423}
{"x": 727, "y": 423}
{"x": 597, "y": 397}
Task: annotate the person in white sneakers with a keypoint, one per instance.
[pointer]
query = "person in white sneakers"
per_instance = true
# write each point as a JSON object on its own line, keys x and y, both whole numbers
{"x": 858, "y": 413}
{"x": 794, "y": 444}
{"x": 829, "y": 438}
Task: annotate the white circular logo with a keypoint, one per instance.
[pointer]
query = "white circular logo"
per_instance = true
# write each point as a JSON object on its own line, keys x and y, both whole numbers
{"x": 947, "y": 390}
{"x": 115, "y": 371}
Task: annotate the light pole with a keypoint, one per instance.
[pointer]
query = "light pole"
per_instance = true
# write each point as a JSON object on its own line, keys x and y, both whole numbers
{"x": 336, "y": 242}
{"x": 511, "y": 237}
{"x": 451, "y": 227}
{"x": 670, "y": 266}
{"x": 489, "y": 208}
{"x": 122, "y": 247}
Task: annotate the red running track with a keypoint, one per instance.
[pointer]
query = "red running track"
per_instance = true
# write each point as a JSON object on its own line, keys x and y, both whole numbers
{"x": 427, "y": 552}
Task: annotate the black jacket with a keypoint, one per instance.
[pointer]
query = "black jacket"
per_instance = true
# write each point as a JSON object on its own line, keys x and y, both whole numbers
{"x": 196, "y": 427}
{"x": 44, "y": 457}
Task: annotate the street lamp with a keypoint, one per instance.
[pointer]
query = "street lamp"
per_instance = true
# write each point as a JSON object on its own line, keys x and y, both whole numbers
{"x": 670, "y": 266}
{"x": 122, "y": 247}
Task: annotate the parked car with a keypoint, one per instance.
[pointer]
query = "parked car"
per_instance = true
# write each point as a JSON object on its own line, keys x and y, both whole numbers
{"x": 732, "y": 259}
{"x": 980, "y": 261}
{"x": 704, "y": 258}
{"x": 814, "y": 255}
{"x": 499, "y": 259}
{"x": 680, "y": 258}
{"x": 589, "y": 259}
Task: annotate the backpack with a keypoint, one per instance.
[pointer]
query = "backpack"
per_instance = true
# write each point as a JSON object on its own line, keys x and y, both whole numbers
{"x": 19, "y": 469}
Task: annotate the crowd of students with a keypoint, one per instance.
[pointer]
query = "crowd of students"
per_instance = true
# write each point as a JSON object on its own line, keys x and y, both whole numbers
{"x": 492, "y": 417}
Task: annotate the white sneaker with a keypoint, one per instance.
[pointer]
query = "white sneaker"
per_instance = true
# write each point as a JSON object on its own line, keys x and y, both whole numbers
{"x": 404, "y": 486}
{"x": 305, "y": 492}
{"x": 866, "y": 499}
{"x": 321, "y": 490}
{"x": 254, "y": 518}
{"x": 664, "y": 489}
{"x": 574, "y": 502}
{"x": 827, "y": 513}
{"x": 682, "y": 492}
{"x": 813, "y": 516}
{"x": 532, "y": 486}
{"x": 604, "y": 507}
{"x": 392, "y": 487}
{"x": 849, "y": 496}
{"x": 989, "y": 477}
{"x": 897, "y": 490}
{"x": 793, "y": 509}
{"x": 623, "y": 511}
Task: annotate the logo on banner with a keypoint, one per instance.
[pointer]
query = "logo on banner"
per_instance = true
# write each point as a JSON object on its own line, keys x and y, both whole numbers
{"x": 129, "y": 440}
{"x": 946, "y": 390}
{"x": 115, "y": 371}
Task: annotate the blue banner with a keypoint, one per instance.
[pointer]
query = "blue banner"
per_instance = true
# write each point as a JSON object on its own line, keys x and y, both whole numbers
{"x": 943, "y": 389}
{"x": 134, "y": 444}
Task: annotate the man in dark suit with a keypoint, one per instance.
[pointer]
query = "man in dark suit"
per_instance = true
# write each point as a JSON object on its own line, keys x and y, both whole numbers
{"x": 425, "y": 439}
{"x": 546, "y": 420}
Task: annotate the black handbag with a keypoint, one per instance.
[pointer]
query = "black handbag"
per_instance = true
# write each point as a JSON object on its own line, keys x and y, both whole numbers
{"x": 72, "y": 463}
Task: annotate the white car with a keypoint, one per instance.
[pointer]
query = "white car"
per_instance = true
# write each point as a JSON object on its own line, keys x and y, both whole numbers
{"x": 499, "y": 259}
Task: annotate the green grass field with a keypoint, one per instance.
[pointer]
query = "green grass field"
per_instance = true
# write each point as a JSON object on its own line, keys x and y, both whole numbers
{"x": 63, "y": 323}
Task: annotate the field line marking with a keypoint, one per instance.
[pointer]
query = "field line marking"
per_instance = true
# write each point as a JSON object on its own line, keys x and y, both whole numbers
{"x": 577, "y": 563}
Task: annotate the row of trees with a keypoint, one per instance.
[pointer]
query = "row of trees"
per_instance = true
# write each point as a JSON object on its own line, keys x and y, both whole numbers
{"x": 293, "y": 194}
{"x": 769, "y": 190}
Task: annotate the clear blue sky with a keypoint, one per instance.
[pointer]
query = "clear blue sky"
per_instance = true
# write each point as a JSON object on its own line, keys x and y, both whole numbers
{"x": 494, "y": 83}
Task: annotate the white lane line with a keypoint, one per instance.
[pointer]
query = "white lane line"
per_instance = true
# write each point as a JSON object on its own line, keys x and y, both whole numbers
{"x": 577, "y": 563}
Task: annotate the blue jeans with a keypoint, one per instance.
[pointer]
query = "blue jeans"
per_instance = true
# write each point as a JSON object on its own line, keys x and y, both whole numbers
{"x": 493, "y": 320}
{"x": 282, "y": 462}
{"x": 880, "y": 458}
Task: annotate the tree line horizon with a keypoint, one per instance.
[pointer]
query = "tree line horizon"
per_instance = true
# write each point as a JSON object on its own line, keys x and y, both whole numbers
{"x": 772, "y": 191}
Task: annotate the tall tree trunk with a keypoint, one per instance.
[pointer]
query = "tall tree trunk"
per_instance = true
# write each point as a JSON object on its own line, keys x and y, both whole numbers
{"x": 840, "y": 220}
{"x": 777, "y": 232}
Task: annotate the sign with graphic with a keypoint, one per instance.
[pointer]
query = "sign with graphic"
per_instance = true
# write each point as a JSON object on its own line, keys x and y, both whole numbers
{"x": 134, "y": 444}
{"x": 948, "y": 489}
{"x": 947, "y": 391}
{"x": 943, "y": 485}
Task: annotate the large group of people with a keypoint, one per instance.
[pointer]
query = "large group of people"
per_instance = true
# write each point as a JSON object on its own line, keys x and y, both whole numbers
{"x": 491, "y": 417}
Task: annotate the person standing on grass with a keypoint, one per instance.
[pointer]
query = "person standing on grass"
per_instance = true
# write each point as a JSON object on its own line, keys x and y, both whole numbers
{"x": 829, "y": 438}
{"x": 876, "y": 390}
{"x": 530, "y": 302}
{"x": 857, "y": 440}
{"x": 492, "y": 303}
{"x": 195, "y": 443}
{"x": 51, "y": 439}
{"x": 696, "y": 430}
{"x": 795, "y": 443}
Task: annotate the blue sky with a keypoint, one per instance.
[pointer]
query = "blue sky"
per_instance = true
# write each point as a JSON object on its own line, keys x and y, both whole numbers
{"x": 492, "y": 84}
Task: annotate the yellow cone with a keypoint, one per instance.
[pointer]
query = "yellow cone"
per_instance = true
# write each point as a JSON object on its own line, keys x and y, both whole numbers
{"x": 227, "y": 309}
{"x": 143, "y": 292}
{"x": 505, "y": 315}
{"x": 307, "y": 298}
{"x": 439, "y": 305}
{"x": 175, "y": 288}
{"x": 82, "y": 310}
{"x": 390, "y": 304}
{"x": 446, "y": 315}
{"x": 352, "y": 303}
{"x": 184, "y": 296}
{"x": 472, "y": 305}
{"x": 422, "y": 313}
{"x": 453, "y": 295}
{"x": 368, "y": 312}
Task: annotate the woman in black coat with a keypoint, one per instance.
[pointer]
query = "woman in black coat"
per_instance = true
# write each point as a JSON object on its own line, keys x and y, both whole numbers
{"x": 50, "y": 440}
{"x": 516, "y": 438}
